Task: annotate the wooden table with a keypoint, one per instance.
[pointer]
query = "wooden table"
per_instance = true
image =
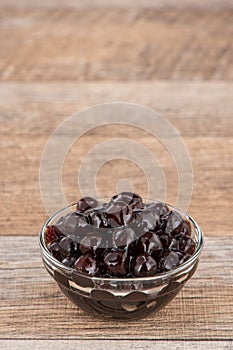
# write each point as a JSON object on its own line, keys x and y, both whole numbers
{"x": 59, "y": 57}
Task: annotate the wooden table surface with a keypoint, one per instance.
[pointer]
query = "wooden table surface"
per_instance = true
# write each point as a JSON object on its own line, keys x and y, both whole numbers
{"x": 57, "y": 57}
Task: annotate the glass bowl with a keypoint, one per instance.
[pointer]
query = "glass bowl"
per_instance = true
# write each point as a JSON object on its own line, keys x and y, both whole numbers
{"x": 120, "y": 298}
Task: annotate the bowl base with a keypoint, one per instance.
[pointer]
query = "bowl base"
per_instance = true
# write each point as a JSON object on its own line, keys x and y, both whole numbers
{"x": 118, "y": 308}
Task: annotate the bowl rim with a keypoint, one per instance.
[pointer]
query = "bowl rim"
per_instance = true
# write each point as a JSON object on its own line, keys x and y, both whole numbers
{"x": 168, "y": 274}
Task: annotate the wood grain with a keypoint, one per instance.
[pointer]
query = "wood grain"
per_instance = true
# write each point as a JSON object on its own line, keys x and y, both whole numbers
{"x": 196, "y": 108}
{"x": 202, "y": 113}
{"x": 120, "y": 3}
{"x": 115, "y": 43}
{"x": 114, "y": 344}
{"x": 32, "y": 307}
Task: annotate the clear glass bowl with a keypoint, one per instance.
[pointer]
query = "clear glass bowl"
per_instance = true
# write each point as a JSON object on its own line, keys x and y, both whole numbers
{"x": 120, "y": 298}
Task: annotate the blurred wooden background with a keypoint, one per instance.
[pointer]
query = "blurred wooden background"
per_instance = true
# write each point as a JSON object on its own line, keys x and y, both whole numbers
{"x": 57, "y": 57}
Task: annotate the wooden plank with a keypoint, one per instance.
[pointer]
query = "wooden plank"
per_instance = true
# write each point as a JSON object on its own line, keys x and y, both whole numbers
{"x": 195, "y": 108}
{"x": 32, "y": 307}
{"x": 121, "y": 3}
{"x": 113, "y": 344}
{"x": 29, "y": 113}
{"x": 50, "y": 43}
{"x": 212, "y": 185}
